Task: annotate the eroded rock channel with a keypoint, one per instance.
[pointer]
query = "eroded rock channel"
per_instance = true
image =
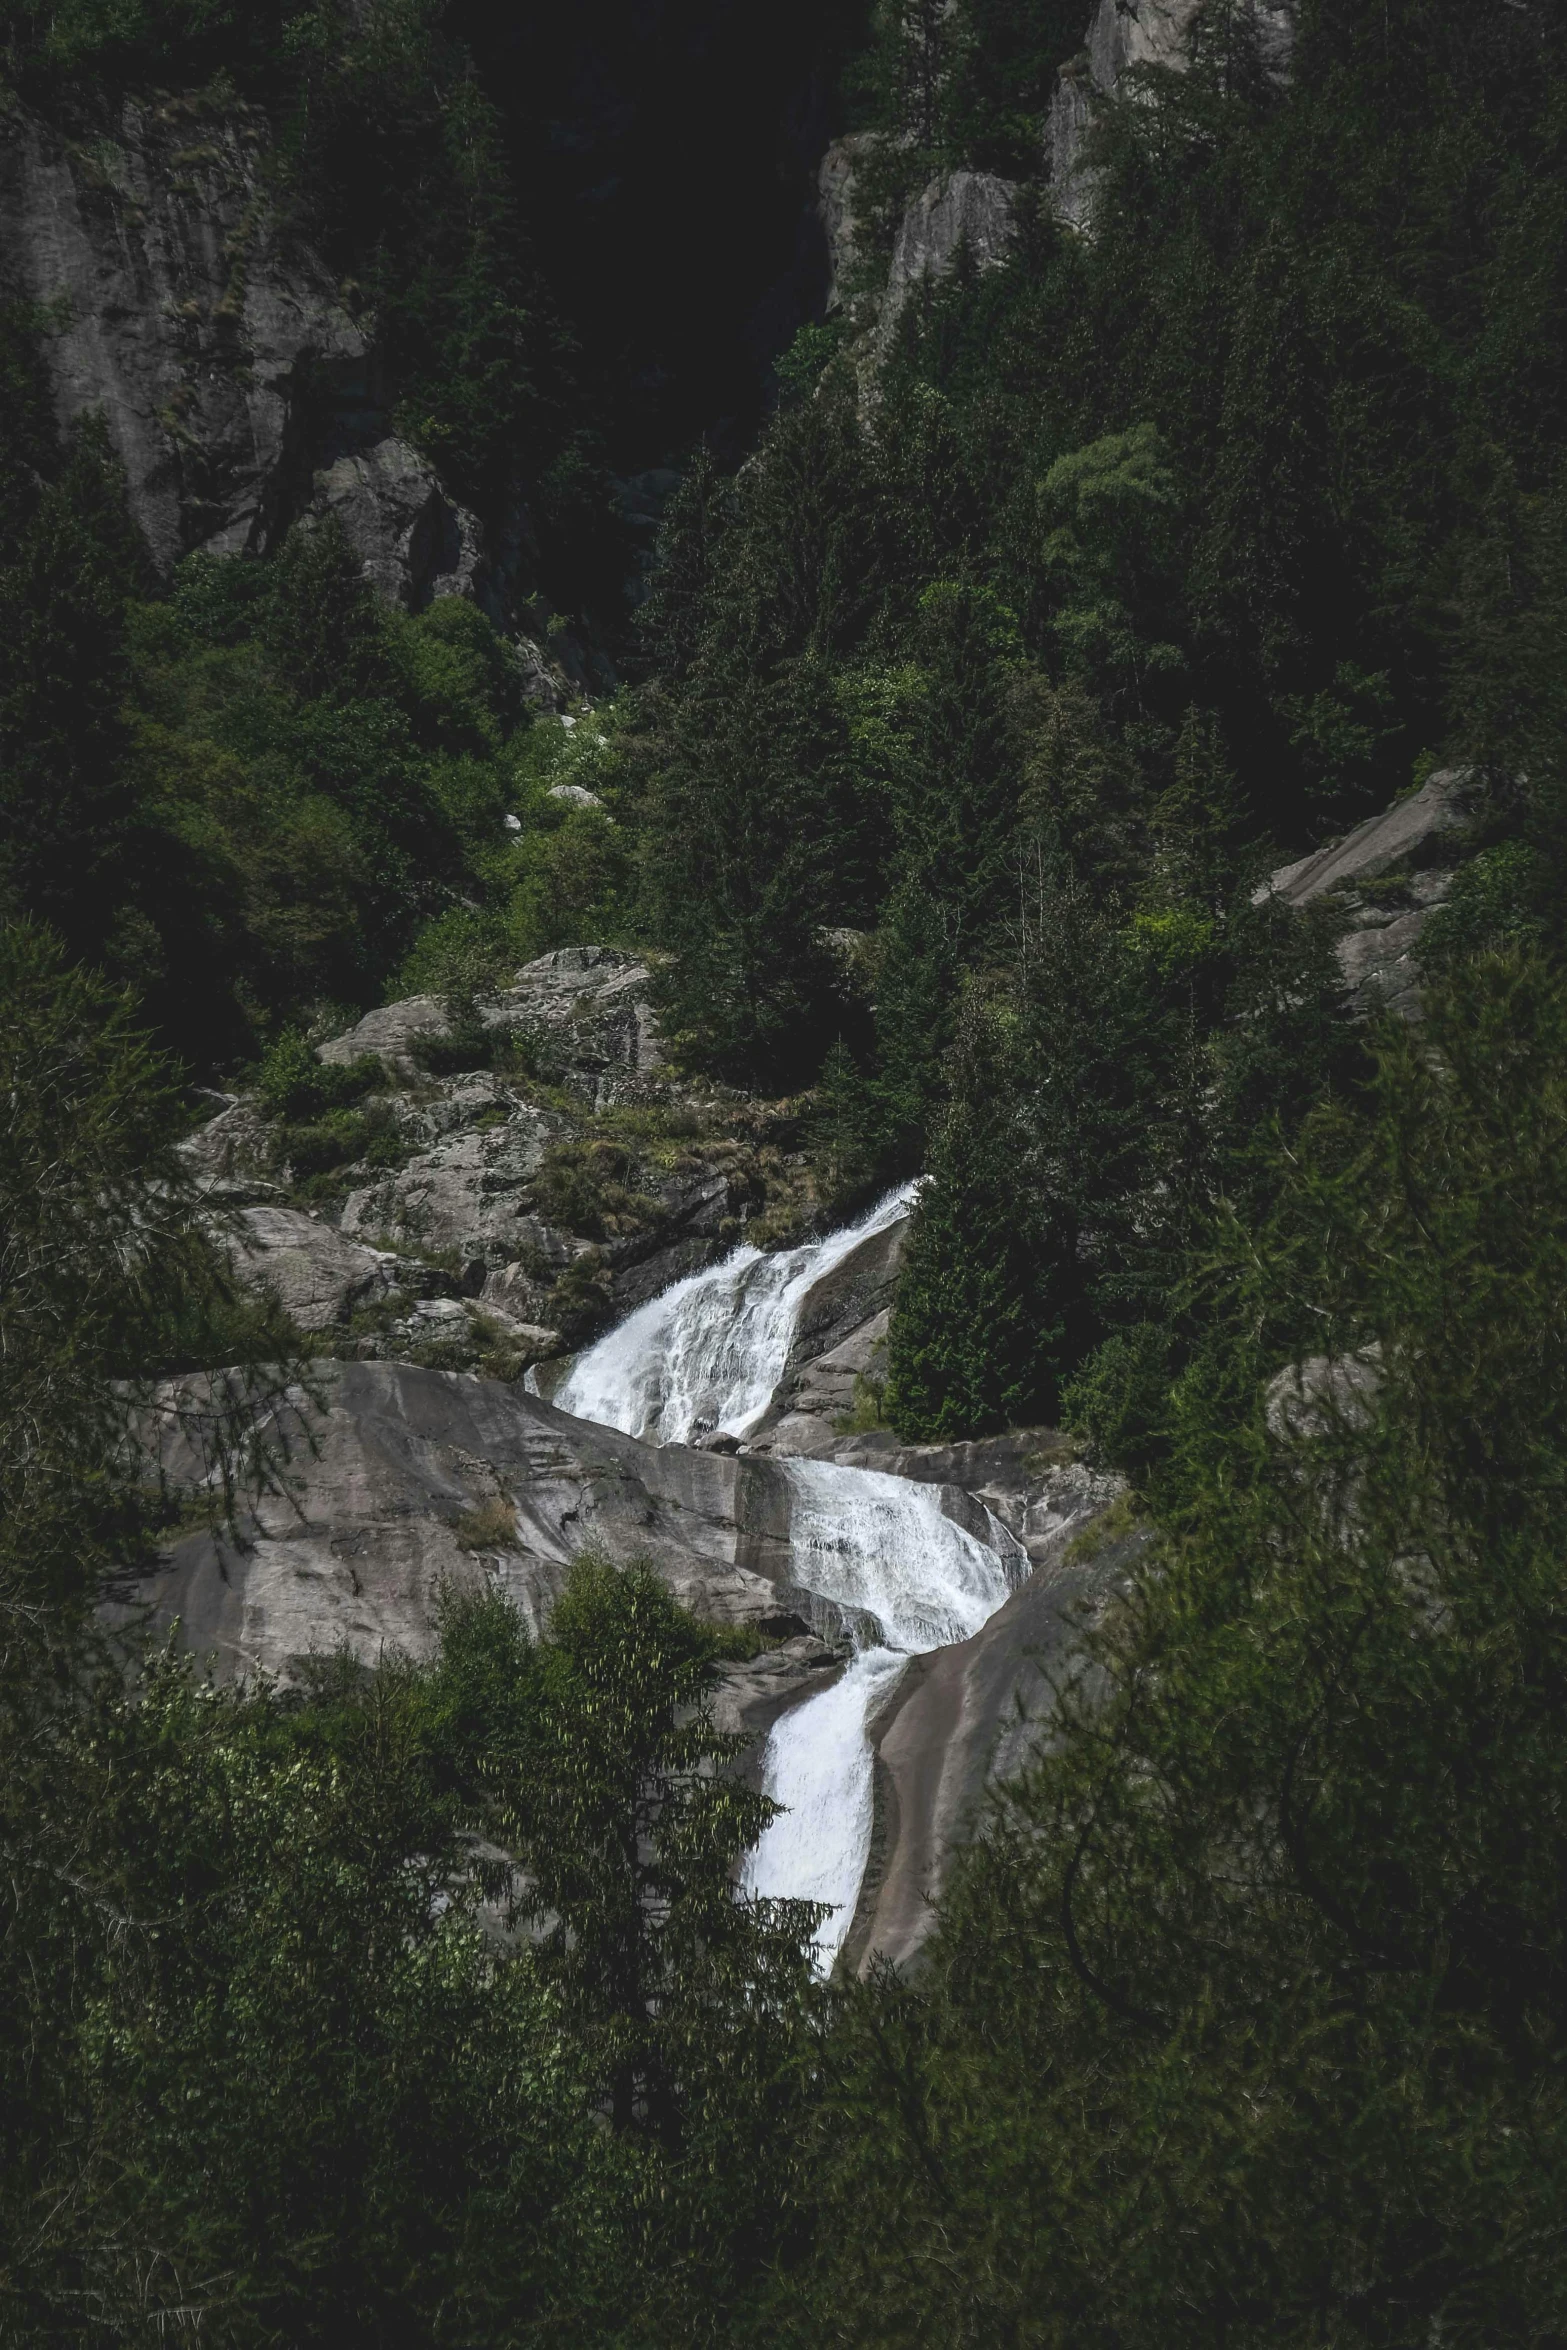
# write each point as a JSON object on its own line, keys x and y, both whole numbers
{"x": 915, "y": 1609}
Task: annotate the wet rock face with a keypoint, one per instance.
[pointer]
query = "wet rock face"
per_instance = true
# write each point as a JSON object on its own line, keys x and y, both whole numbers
{"x": 840, "y": 1341}
{"x": 961, "y": 1719}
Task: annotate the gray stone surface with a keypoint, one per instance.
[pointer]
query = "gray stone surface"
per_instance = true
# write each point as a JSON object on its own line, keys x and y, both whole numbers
{"x": 414, "y": 542}
{"x": 205, "y": 334}
{"x": 589, "y": 1004}
{"x": 465, "y": 1193}
{"x": 316, "y": 1275}
{"x": 840, "y": 1332}
{"x": 238, "y": 391}
{"x": 234, "y": 1148}
{"x": 835, "y": 209}
{"x": 963, "y": 210}
{"x": 1123, "y": 35}
{"x": 382, "y": 1466}
{"x": 391, "y": 1030}
{"x": 1414, "y": 835}
{"x": 1388, "y": 877}
{"x": 963, "y": 1718}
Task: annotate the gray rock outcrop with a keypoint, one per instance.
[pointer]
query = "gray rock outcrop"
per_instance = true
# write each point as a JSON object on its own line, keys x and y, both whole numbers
{"x": 588, "y": 1005}
{"x": 238, "y": 391}
{"x": 1124, "y": 35}
{"x": 835, "y": 193}
{"x": 399, "y": 1481}
{"x": 318, "y": 1276}
{"x": 413, "y": 540}
{"x": 1414, "y": 835}
{"x": 205, "y": 335}
{"x": 839, "y": 1339}
{"x": 463, "y": 1194}
{"x": 963, "y": 1718}
{"x": 970, "y": 212}
{"x": 1388, "y": 877}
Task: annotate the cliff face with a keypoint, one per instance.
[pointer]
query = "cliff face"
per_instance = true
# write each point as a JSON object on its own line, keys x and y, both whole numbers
{"x": 976, "y": 211}
{"x": 237, "y": 389}
{"x": 1125, "y": 34}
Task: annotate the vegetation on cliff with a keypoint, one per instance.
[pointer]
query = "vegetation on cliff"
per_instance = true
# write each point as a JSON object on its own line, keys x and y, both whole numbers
{"x": 412, "y": 2005}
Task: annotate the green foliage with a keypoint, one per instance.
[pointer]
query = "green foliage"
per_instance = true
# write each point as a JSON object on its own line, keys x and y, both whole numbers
{"x": 322, "y": 816}
{"x": 1242, "y": 2013}
{"x": 1499, "y": 897}
{"x": 109, "y": 1277}
{"x": 68, "y": 564}
{"x": 978, "y": 1320}
{"x": 272, "y": 2045}
{"x": 292, "y": 1083}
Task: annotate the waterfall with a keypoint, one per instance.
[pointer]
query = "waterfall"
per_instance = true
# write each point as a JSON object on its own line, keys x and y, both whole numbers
{"x": 709, "y": 1351}
{"x": 881, "y": 1550}
{"x": 884, "y": 1551}
{"x": 818, "y": 1765}
{"x": 884, "y": 1547}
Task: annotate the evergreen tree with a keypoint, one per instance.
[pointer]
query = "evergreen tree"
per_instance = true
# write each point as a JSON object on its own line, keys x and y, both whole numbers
{"x": 954, "y": 812}
{"x": 65, "y": 577}
{"x": 1243, "y": 2013}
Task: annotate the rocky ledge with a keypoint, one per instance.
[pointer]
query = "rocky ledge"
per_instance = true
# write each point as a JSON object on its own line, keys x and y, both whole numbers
{"x": 493, "y": 1212}
{"x": 393, "y": 1484}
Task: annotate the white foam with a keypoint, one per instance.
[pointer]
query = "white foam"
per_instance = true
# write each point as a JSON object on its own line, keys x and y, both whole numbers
{"x": 709, "y": 1352}
{"x": 818, "y": 1764}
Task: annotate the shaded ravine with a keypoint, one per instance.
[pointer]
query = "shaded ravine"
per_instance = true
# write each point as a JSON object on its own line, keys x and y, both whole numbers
{"x": 878, "y": 1555}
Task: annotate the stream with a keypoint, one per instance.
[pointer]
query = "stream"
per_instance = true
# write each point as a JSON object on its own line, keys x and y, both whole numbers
{"x": 903, "y": 1577}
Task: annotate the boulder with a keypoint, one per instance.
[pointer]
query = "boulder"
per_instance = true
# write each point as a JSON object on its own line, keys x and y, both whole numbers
{"x": 414, "y": 542}
{"x": 316, "y": 1275}
{"x": 575, "y": 795}
{"x": 1414, "y": 835}
{"x": 1377, "y": 955}
{"x": 390, "y": 1030}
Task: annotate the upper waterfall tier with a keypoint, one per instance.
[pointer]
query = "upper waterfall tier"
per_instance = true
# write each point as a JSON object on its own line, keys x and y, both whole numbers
{"x": 710, "y": 1351}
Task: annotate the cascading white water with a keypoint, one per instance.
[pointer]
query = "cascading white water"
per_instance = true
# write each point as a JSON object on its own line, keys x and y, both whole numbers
{"x": 818, "y": 1765}
{"x": 708, "y": 1352}
{"x": 884, "y": 1547}
{"x": 881, "y": 1548}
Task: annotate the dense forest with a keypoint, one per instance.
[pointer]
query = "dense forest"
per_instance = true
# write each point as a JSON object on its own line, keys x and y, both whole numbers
{"x": 992, "y": 657}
